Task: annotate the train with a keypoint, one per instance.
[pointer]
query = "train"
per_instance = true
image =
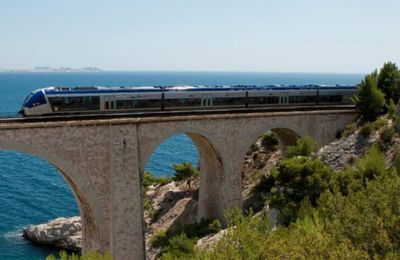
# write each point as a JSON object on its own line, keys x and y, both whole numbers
{"x": 98, "y": 100}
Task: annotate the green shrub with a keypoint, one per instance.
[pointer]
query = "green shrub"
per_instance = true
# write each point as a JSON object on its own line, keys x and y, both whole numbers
{"x": 269, "y": 140}
{"x": 388, "y": 81}
{"x": 304, "y": 147}
{"x": 361, "y": 225}
{"x": 183, "y": 240}
{"x": 396, "y": 162}
{"x": 366, "y": 130}
{"x": 149, "y": 179}
{"x": 371, "y": 166}
{"x": 294, "y": 180}
{"x": 159, "y": 238}
{"x": 88, "y": 256}
{"x": 369, "y": 100}
{"x": 179, "y": 247}
{"x": 254, "y": 147}
{"x": 379, "y": 123}
{"x": 385, "y": 137}
{"x": 392, "y": 109}
{"x": 184, "y": 171}
{"x": 245, "y": 241}
{"x": 148, "y": 206}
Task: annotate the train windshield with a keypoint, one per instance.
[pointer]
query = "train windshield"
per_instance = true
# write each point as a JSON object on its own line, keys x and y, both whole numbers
{"x": 36, "y": 98}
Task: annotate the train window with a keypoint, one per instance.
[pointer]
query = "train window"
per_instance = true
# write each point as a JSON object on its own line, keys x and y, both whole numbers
{"x": 229, "y": 101}
{"x": 182, "y": 102}
{"x": 74, "y": 103}
{"x": 141, "y": 103}
{"x": 330, "y": 98}
{"x": 302, "y": 99}
{"x": 262, "y": 100}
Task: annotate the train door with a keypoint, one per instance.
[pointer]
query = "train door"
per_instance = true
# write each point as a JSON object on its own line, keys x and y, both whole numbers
{"x": 206, "y": 100}
{"x": 283, "y": 99}
{"x": 109, "y": 103}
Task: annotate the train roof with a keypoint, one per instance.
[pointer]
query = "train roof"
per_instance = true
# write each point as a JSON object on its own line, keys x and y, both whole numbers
{"x": 124, "y": 89}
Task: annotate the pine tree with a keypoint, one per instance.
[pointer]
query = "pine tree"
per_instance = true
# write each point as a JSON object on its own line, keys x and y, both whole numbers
{"x": 389, "y": 81}
{"x": 369, "y": 100}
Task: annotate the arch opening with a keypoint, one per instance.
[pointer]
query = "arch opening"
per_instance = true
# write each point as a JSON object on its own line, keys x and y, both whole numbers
{"x": 263, "y": 155}
{"x": 183, "y": 202}
{"x": 51, "y": 194}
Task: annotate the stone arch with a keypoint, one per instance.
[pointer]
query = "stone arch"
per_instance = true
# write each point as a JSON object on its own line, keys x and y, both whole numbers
{"x": 211, "y": 170}
{"x": 90, "y": 231}
{"x": 286, "y": 137}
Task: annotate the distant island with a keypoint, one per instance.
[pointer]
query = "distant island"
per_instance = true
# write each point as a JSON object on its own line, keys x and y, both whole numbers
{"x": 50, "y": 69}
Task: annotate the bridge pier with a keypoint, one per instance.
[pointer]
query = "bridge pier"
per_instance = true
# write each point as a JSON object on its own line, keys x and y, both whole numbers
{"x": 127, "y": 225}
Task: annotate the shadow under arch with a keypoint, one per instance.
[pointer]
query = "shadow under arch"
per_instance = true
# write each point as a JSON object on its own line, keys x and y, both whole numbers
{"x": 90, "y": 230}
{"x": 286, "y": 137}
{"x": 211, "y": 172}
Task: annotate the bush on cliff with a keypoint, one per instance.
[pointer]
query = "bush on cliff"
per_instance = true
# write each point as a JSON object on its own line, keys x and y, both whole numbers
{"x": 181, "y": 242}
{"x": 369, "y": 100}
{"x": 88, "y": 256}
{"x": 294, "y": 180}
{"x": 150, "y": 179}
{"x": 360, "y": 224}
{"x": 389, "y": 81}
{"x": 304, "y": 147}
{"x": 185, "y": 171}
{"x": 269, "y": 140}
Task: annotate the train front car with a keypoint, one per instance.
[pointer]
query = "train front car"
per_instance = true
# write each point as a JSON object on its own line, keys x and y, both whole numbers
{"x": 35, "y": 104}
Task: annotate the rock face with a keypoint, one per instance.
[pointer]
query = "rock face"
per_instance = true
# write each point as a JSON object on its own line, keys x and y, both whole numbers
{"x": 65, "y": 233}
{"x": 346, "y": 150}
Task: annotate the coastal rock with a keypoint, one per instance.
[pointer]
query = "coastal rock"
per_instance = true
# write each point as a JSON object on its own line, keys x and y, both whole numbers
{"x": 65, "y": 233}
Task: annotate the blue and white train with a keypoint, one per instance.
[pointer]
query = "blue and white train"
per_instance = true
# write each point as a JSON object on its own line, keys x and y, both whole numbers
{"x": 95, "y": 100}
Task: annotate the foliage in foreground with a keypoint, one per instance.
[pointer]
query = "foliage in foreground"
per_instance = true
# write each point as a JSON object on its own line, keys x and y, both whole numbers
{"x": 181, "y": 242}
{"x": 89, "y": 256}
{"x": 359, "y": 220}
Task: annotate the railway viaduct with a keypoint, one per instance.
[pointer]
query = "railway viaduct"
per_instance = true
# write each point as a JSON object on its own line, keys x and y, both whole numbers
{"x": 103, "y": 160}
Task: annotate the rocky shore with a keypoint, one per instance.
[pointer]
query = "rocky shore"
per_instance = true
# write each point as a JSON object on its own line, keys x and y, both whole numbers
{"x": 63, "y": 233}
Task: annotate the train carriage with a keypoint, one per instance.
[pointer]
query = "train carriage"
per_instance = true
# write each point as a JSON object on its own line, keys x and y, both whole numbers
{"x": 95, "y": 100}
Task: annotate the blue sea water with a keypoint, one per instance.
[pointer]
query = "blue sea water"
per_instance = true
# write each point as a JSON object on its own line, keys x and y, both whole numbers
{"x": 31, "y": 190}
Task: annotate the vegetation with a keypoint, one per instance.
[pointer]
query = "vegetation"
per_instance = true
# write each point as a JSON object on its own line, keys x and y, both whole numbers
{"x": 369, "y": 100}
{"x": 349, "y": 214}
{"x": 377, "y": 89}
{"x": 366, "y": 130}
{"x": 89, "y": 256}
{"x": 269, "y": 140}
{"x": 385, "y": 137}
{"x": 182, "y": 242}
{"x": 185, "y": 171}
{"x": 392, "y": 109}
{"x": 149, "y": 179}
{"x": 304, "y": 147}
{"x": 388, "y": 81}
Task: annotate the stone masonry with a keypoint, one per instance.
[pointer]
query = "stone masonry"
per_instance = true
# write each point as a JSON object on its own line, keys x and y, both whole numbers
{"x": 103, "y": 161}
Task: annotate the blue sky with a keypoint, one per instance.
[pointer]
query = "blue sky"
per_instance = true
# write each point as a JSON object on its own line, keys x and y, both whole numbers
{"x": 208, "y": 35}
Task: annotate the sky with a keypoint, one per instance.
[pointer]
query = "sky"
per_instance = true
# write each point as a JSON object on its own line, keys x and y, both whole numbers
{"x": 350, "y": 36}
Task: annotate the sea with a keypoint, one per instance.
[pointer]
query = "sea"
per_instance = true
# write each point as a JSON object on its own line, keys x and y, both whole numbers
{"x": 33, "y": 192}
